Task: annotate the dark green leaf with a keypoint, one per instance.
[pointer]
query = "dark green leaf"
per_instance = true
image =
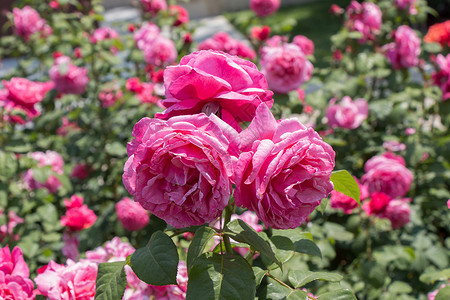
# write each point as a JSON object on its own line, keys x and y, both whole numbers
{"x": 215, "y": 276}
{"x": 345, "y": 183}
{"x": 300, "y": 278}
{"x": 157, "y": 262}
{"x": 275, "y": 291}
{"x": 243, "y": 233}
{"x": 8, "y": 165}
{"x": 307, "y": 247}
{"x": 111, "y": 281}
{"x": 338, "y": 295}
{"x": 198, "y": 244}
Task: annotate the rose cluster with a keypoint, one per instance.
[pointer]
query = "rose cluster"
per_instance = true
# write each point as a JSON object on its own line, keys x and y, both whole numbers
{"x": 365, "y": 18}
{"x": 27, "y": 22}
{"x": 182, "y": 164}
{"x": 222, "y": 41}
{"x": 47, "y": 158}
{"x": 404, "y": 51}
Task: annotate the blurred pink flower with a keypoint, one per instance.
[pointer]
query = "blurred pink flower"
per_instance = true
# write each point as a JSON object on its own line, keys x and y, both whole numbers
{"x": 131, "y": 214}
{"x": 154, "y": 6}
{"x": 285, "y": 67}
{"x": 145, "y": 35}
{"x": 432, "y": 295}
{"x": 304, "y": 43}
{"x": 410, "y": 131}
{"x": 215, "y": 82}
{"x": 404, "y": 51}
{"x": 78, "y": 216}
{"x": 364, "y": 17}
{"x": 49, "y": 158}
{"x": 180, "y": 13}
{"x": 394, "y": 146}
{"x": 109, "y": 95}
{"x": 80, "y": 171}
{"x": 22, "y": 94}
{"x": 260, "y": 33}
{"x": 27, "y": 21}
{"x": 14, "y": 276}
{"x": 407, "y": 4}
{"x": 283, "y": 171}
{"x": 67, "y": 127}
{"x": 68, "y": 78}
{"x": 387, "y": 173}
{"x": 146, "y": 95}
{"x": 441, "y": 77}
{"x": 71, "y": 244}
{"x": 336, "y": 10}
{"x": 133, "y": 85}
{"x": 72, "y": 281}
{"x": 377, "y": 204}
{"x": 343, "y": 202}
{"x": 160, "y": 52}
{"x": 348, "y": 113}
{"x": 222, "y": 41}
{"x": 103, "y": 33}
{"x": 398, "y": 212}
{"x": 264, "y": 8}
{"x": 8, "y": 230}
{"x": 114, "y": 250}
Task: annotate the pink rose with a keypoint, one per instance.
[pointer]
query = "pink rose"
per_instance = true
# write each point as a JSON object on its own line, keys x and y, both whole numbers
{"x": 73, "y": 281}
{"x": 388, "y": 175}
{"x": 22, "y": 94}
{"x": 285, "y": 67}
{"x": 347, "y": 114}
{"x": 179, "y": 169}
{"x": 394, "y": 146}
{"x": 8, "y": 230}
{"x": 222, "y": 41}
{"x": 343, "y": 202}
{"x": 133, "y": 85}
{"x": 109, "y": 95}
{"x": 260, "y": 33}
{"x": 441, "y": 77}
{"x": 336, "y": 10}
{"x": 27, "y": 21}
{"x": 131, "y": 214}
{"x": 304, "y": 43}
{"x": 284, "y": 170}
{"x": 410, "y": 4}
{"x": 180, "y": 13}
{"x": 14, "y": 276}
{"x": 49, "y": 158}
{"x": 80, "y": 171}
{"x": 78, "y": 216}
{"x": 160, "y": 52}
{"x": 71, "y": 244}
{"x": 114, "y": 250}
{"x": 404, "y": 52}
{"x": 264, "y": 8}
{"x": 104, "y": 33}
{"x": 68, "y": 78}
{"x": 67, "y": 127}
{"x": 215, "y": 82}
{"x": 147, "y": 95}
{"x": 174, "y": 292}
{"x": 365, "y": 18}
{"x": 398, "y": 212}
{"x": 154, "y": 6}
{"x": 145, "y": 35}
{"x": 377, "y": 204}
{"x": 410, "y": 131}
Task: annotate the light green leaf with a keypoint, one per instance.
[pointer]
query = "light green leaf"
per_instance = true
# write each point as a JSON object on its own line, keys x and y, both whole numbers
{"x": 300, "y": 278}
{"x": 345, "y": 183}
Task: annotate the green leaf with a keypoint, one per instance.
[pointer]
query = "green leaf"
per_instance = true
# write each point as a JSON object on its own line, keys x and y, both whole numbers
{"x": 41, "y": 174}
{"x": 111, "y": 281}
{"x": 338, "y": 295}
{"x": 346, "y": 184}
{"x": 216, "y": 276}
{"x": 259, "y": 274}
{"x": 116, "y": 149}
{"x": 241, "y": 232}
{"x": 399, "y": 287}
{"x": 64, "y": 180}
{"x": 198, "y": 244}
{"x": 300, "y": 278}
{"x": 432, "y": 277}
{"x": 443, "y": 294}
{"x": 307, "y": 247}
{"x": 322, "y": 206}
{"x": 157, "y": 262}
{"x": 8, "y": 165}
{"x": 282, "y": 247}
{"x": 275, "y": 291}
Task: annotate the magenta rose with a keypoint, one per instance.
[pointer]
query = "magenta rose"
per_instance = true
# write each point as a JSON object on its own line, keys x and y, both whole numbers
{"x": 264, "y": 8}
{"x": 131, "y": 214}
{"x": 404, "y": 51}
{"x": 8, "y": 229}
{"x": 347, "y": 114}
{"x": 154, "y": 6}
{"x": 283, "y": 171}
{"x": 179, "y": 169}
{"x": 145, "y": 35}
{"x": 27, "y": 21}
{"x": 160, "y": 52}
{"x": 398, "y": 212}
{"x": 14, "y": 275}
{"x": 364, "y": 17}
{"x": 441, "y": 77}
{"x": 387, "y": 174}
{"x": 343, "y": 202}
{"x": 407, "y": 4}
{"x": 304, "y": 43}
{"x": 215, "y": 82}
{"x": 222, "y": 41}
{"x": 104, "y": 33}
{"x": 285, "y": 67}
{"x": 110, "y": 94}
{"x": 78, "y": 216}
{"x": 22, "y": 94}
{"x": 68, "y": 78}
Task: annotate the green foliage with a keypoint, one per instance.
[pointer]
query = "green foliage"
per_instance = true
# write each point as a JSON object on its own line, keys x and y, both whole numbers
{"x": 344, "y": 183}
{"x": 111, "y": 281}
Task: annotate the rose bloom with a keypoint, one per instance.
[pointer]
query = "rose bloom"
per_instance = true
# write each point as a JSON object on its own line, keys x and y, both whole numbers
{"x": 365, "y": 18}
{"x": 179, "y": 169}
{"x": 304, "y": 43}
{"x": 78, "y": 216}
{"x": 110, "y": 95}
{"x": 404, "y": 52}
{"x": 343, "y": 202}
{"x": 276, "y": 41}
{"x": 285, "y": 67}
{"x": 441, "y": 77}
{"x": 336, "y": 10}
{"x": 27, "y": 21}
{"x": 114, "y": 250}
{"x": 283, "y": 171}
{"x": 215, "y": 82}
{"x": 160, "y": 52}
{"x": 80, "y": 171}
{"x": 131, "y": 214}
{"x": 13, "y": 221}
{"x": 180, "y": 13}
{"x": 153, "y": 6}
{"x": 67, "y": 127}
{"x": 147, "y": 93}
{"x": 49, "y": 158}
{"x": 22, "y": 94}
{"x": 394, "y": 146}
{"x": 68, "y": 78}
{"x": 72, "y": 281}
{"x": 133, "y": 85}
{"x": 14, "y": 276}
{"x": 398, "y": 212}
{"x": 145, "y": 35}
{"x": 410, "y": 4}
{"x": 377, "y": 204}
{"x": 104, "y": 33}
{"x": 387, "y": 174}
{"x": 260, "y": 33}
{"x": 222, "y": 41}
{"x": 347, "y": 114}
{"x": 264, "y": 8}
{"x": 439, "y": 33}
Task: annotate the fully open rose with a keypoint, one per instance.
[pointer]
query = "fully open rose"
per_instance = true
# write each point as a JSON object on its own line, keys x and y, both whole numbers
{"x": 284, "y": 170}
{"x": 179, "y": 169}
